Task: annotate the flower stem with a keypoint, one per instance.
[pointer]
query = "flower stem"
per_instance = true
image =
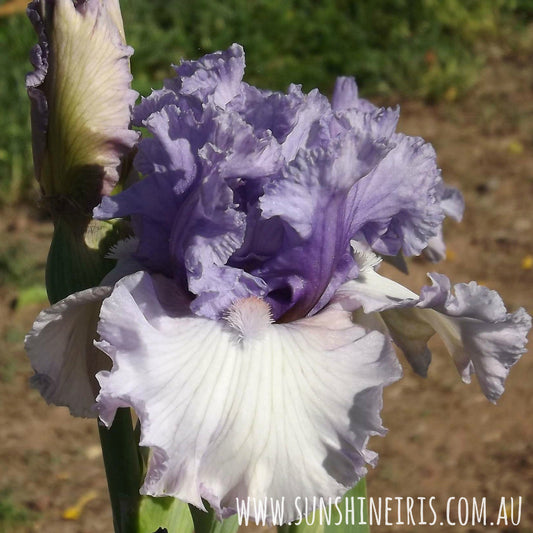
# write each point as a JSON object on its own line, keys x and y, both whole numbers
{"x": 123, "y": 471}
{"x": 76, "y": 261}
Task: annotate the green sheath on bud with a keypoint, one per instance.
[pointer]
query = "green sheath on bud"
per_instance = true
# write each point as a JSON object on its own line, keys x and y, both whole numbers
{"x": 76, "y": 260}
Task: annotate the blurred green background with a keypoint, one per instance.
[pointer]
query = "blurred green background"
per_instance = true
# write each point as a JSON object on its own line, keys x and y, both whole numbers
{"x": 430, "y": 49}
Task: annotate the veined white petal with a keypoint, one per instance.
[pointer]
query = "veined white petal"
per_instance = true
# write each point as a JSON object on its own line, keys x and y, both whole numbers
{"x": 62, "y": 354}
{"x": 61, "y": 343}
{"x": 230, "y": 413}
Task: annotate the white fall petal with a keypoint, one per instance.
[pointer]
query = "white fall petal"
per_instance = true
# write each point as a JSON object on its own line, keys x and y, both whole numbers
{"x": 62, "y": 354}
{"x": 61, "y": 346}
{"x": 242, "y": 407}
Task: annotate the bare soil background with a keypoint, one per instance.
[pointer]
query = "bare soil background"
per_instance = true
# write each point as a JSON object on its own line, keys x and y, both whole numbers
{"x": 445, "y": 439}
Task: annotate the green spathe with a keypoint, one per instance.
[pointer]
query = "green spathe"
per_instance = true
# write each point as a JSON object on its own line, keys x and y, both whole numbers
{"x": 76, "y": 260}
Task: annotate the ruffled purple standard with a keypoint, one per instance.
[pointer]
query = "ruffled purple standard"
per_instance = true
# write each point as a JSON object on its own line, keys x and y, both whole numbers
{"x": 258, "y": 193}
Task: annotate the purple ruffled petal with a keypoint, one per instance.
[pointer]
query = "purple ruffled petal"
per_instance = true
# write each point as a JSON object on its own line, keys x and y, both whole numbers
{"x": 215, "y": 77}
{"x": 240, "y": 152}
{"x": 206, "y": 232}
{"x": 152, "y": 205}
{"x": 319, "y": 224}
{"x": 266, "y": 110}
{"x": 452, "y": 204}
{"x": 281, "y": 183}
{"x": 346, "y": 96}
{"x": 398, "y": 203}
{"x": 166, "y": 154}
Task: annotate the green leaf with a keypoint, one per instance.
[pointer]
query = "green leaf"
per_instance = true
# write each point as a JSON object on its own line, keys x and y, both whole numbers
{"x": 356, "y": 522}
{"x": 345, "y": 517}
{"x": 168, "y": 513}
{"x": 207, "y": 522}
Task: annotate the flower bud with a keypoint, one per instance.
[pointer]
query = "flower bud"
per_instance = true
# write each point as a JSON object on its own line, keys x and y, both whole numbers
{"x": 81, "y": 100}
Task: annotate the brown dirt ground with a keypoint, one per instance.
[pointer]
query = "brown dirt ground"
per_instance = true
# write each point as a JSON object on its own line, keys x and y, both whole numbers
{"x": 445, "y": 440}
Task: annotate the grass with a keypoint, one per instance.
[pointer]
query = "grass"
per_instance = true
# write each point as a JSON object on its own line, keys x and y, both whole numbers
{"x": 12, "y": 515}
{"x": 22, "y": 271}
{"x": 16, "y": 39}
{"x": 418, "y": 48}
{"x": 429, "y": 49}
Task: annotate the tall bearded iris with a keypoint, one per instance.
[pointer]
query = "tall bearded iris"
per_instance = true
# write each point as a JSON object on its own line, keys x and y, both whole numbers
{"x": 255, "y": 340}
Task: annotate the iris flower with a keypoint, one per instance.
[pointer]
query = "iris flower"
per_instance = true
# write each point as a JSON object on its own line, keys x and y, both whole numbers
{"x": 256, "y": 337}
